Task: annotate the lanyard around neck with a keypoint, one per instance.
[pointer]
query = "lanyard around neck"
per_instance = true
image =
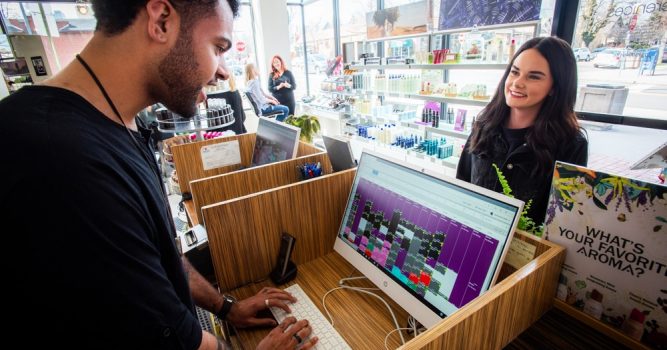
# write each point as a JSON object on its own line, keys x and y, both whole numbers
{"x": 152, "y": 164}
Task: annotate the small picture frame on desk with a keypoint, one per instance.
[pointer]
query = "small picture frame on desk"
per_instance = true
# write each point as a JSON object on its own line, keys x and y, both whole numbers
{"x": 460, "y": 123}
{"x": 38, "y": 65}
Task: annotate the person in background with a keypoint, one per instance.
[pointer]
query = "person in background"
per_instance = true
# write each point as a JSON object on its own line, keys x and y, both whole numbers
{"x": 282, "y": 83}
{"x": 233, "y": 98}
{"x": 265, "y": 102}
{"x": 528, "y": 125}
{"x": 101, "y": 261}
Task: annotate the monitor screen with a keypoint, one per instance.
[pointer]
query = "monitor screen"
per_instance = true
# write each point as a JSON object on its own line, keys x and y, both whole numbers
{"x": 275, "y": 141}
{"x": 339, "y": 152}
{"x": 430, "y": 243}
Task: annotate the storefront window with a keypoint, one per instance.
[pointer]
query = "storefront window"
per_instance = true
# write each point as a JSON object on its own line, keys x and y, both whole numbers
{"x": 547, "y": 17}
{"x": 5, "y": 48}
{"x": 75, "y": 26}
{"x": 620, "y": 48}
{"x": 320, "y": 45}
{"x": 243, "y": 46}
{"x": 67, "y": 29}
{"x": 353, "y": 19}
{"x": 22, "y": 18}
{"x": 296, "y": 50}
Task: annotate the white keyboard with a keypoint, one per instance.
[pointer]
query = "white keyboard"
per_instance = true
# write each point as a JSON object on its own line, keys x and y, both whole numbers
{"x": 328, "y": 337}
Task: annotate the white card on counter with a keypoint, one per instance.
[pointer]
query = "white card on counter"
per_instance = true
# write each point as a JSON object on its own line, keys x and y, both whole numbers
{"x": 220, "y": 154}
{"x": 520, "y": 253}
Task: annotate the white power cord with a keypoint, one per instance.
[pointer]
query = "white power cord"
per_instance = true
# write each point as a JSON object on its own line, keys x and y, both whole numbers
{"x": 366, "y": 291}
{"x": 342, "y": 281}
{"x": 392, "y": 331}
{"x": 412, "y": 322}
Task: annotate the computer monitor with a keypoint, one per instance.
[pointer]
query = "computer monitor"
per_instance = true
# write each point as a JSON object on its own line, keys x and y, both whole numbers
{"x": 340, "y": 153}
{"x": 430, "y": 243}
{"x": 275, "y": 141}
{"x": 656, "y": 159}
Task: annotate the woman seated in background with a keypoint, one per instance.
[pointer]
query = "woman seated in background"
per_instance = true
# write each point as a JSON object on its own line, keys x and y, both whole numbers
{"x": 265, "y": 102}
{"x": 528, "y": 125}
{"x": 282, "y": 83}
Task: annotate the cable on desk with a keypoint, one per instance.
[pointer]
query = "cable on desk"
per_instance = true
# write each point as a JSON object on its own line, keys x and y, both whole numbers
{"x": 341, "y": 282}
{"x": 361, "y": 290}
{"x": 392, "y": 331}
{"x": 416, "y": 327}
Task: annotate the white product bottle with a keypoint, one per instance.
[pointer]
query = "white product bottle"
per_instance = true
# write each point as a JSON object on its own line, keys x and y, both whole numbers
{"x": 593, "y": 305}
{"x": 634, "y": 325}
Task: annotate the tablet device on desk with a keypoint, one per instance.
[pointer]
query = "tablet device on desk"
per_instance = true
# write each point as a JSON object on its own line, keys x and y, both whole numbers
{"x": 275, "y": 141}
{"x": 340, "y": 153}
{"x": 656, "y": 159}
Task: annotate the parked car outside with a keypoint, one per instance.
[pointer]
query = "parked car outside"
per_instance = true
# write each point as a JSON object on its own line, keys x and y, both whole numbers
{"x": 582, "y": 54}
{"x": 608, "y": 58}
{"x": 597, "y": 51}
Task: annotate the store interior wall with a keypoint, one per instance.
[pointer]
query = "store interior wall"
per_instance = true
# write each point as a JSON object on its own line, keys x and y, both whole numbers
{"x": 272, "y": 34}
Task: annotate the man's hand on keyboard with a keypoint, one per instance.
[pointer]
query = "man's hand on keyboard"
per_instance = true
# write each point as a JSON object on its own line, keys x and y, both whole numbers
{"x": 244, "y": 312}
{"x": 290, "y": 334}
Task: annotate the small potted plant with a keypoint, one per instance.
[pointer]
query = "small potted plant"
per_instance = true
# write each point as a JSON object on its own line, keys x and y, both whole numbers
{"x": 309, "y": 125}
{"x": 525, "y": 222}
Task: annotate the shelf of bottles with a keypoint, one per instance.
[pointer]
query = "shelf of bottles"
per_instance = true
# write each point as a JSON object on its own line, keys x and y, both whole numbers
{"x": 442, "y": 66}
{"x": 422, "y": 85}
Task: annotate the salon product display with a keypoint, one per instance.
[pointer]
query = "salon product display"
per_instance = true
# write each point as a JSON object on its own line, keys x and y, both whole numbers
{"x": 218, "y": 114}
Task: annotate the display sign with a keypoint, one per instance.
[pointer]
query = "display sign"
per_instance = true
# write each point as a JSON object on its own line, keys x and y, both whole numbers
{"x": 615, "y": 231}
{"x": 220, "y": 154}
{"x": 396, "y": 21}
{"x": 38, "y": 65}
{"x": 456, "y": 14}
{"x": 633, "y": 23}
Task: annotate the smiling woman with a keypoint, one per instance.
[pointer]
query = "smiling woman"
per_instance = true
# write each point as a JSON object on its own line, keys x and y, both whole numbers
{"x": 528, "y": 125}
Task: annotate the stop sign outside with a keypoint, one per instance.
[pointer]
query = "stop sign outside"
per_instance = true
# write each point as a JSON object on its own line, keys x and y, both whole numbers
{"x": 240, "y": 46}
{"x": 633, "y": 22}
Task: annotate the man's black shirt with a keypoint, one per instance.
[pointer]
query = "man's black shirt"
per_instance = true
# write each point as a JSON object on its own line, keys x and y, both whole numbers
{"x": 97, "y": 261}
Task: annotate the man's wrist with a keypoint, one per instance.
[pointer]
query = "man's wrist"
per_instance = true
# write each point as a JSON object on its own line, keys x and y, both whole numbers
{"x": 227, "y": 302}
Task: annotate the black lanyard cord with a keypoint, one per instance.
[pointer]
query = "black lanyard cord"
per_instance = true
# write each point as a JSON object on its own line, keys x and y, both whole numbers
{"x": 151, "y": 164}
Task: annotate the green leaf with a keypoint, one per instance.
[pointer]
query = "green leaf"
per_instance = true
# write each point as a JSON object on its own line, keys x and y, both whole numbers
{"x": 503, "y": 181}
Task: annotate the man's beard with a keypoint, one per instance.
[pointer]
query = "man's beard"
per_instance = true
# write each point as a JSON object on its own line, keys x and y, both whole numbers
{"x": 178, "y": 71}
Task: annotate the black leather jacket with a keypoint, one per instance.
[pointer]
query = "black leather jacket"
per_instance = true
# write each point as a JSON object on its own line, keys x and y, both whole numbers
{"x": 517, "y": 168}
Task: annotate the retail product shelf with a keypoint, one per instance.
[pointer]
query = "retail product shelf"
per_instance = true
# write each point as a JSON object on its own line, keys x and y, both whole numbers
{"x": 445, "y": 66}
{"x": 400, "y": 153}
{"x": 450, "y": 162}
{"x": 449, "y": 131}
{"x": 435, "y": 98}
{"x": 346, "y": 93}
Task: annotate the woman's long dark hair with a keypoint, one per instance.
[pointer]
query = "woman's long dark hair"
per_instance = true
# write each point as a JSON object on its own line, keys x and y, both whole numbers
{"x": 556, "y": 122}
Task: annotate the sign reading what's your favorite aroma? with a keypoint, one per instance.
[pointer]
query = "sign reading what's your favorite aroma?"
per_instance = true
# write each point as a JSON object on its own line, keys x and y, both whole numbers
{"x": 615, "y": 231}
